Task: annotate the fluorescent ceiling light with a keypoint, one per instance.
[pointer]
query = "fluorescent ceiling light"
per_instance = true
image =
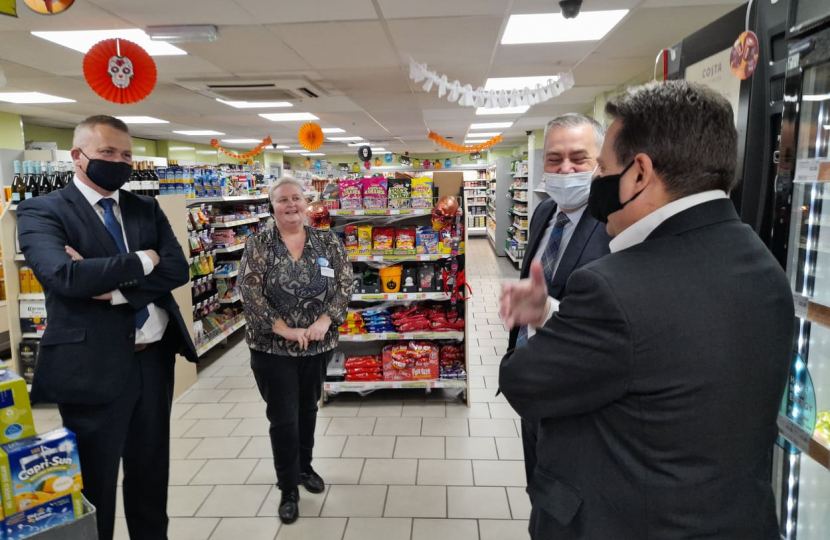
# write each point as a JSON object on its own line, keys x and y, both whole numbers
{"x": 345, "y": 138}
{"x": 476, "y": 141}
{"x": 314, "y": 154}
{"x": 199, "y": 132}
{"x": 32, "y": 97}
{"x": 504, "y": 110}
{"x": 378, "y": 149}
{"x": 491, "y": 125}
{"x": 241, "y": 141}
{"x": 141, "y": 120}
{"x": 206, "y": 152}
{"x": 185, "y": 33}
{"x": 333, "y": 130}
{"x": 182, "y": 148}
{"x": 282, "y": 147}
{"x": 554, "y": 28}
{"x": 289, "y": 117}
{"x": 485, "y": 134}
{"x": 83, "y": 40}
{"x": 255, "y": 104}
{"x": 296, "y": 151}
{"x": 509, "y": 83}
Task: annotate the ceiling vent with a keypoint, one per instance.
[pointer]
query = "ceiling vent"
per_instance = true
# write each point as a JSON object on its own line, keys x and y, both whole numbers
{"x": 256, "y": 89}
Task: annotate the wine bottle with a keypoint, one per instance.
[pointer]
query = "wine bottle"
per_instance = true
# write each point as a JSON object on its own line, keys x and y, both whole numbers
{"x": 154, "y": 178}
{"x": 18, "y": 185}
{"x": 31, "y": 182}
{"x": 44, "y": 186}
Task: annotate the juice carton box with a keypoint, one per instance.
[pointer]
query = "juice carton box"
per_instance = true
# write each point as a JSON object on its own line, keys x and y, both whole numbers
{"x": 41, "y": 472}
{"x": 16, "y": 421}
{"x": 37, "y": 519}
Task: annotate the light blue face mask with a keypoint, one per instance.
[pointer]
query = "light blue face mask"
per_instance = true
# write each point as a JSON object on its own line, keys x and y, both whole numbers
{"x": 569, "y": 191}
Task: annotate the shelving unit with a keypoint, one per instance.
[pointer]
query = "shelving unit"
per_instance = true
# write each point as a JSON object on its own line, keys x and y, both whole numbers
{"x": 373, "y": 343}
{"x": 518, "y": 192}
{"x": 475, "y": 201}
{"x": 500, "y": 178}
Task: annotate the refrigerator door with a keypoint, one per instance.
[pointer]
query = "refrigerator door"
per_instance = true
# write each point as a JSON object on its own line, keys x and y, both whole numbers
{"x": 804, "y": 483}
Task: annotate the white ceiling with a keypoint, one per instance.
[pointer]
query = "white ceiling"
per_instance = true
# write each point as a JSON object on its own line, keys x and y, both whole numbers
{"x": 356, "y": 51}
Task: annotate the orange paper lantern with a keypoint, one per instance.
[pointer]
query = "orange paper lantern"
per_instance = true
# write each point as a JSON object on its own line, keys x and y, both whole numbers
{"x": 120, "y": 71}
{"x": 311, "y": 136}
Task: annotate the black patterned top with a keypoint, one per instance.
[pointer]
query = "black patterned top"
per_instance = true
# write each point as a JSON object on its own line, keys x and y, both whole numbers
{"x": 274, "y": 285}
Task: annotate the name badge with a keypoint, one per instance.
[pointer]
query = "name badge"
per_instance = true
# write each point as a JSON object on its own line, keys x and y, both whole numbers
{"x": 323, "y": 262}
{"x": 326, "y": 272}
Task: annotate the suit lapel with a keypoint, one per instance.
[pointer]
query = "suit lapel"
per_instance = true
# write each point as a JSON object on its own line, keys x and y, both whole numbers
{"x": 538, "y": 226}
{"x": 86, "y": 214}
{"x": 576, "y": 245}
{"x": 131, "y": 219}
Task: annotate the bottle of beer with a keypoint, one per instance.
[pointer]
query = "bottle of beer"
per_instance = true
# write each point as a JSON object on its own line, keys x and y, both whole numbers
{"x": 18, "y": 185}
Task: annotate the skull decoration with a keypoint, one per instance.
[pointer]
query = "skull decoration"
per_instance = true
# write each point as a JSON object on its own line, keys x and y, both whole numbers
{"x": 444, "y": 212}
{"x": 121, "y": 70}
{"x": 318, "y": 216}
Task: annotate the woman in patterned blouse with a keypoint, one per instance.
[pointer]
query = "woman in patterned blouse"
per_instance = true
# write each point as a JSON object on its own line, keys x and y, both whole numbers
{"x": 296, "y": 282}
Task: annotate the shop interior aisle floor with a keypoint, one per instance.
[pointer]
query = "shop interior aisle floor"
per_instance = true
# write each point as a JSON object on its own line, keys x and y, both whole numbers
{"x": 399, "y": 465}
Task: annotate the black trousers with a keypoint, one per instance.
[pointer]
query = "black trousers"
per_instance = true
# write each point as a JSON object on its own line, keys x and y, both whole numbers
{"x": 136, "y": 426}
{"x": 291, "y": 387}
{"x": 530, "y": 434}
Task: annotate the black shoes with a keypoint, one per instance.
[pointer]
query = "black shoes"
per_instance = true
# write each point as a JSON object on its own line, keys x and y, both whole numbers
{"x": 289, "y": 506}
{"x": 312, "y": 482}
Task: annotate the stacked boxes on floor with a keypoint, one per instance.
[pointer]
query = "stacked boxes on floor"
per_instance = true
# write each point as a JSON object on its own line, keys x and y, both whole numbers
{"x": 40, "y": 475}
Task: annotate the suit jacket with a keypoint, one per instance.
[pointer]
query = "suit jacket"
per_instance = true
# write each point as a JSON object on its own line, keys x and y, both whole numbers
{"x": 588, "y": 243}
{"x": 89, "y": 345}
{"x": 657, "y": 386}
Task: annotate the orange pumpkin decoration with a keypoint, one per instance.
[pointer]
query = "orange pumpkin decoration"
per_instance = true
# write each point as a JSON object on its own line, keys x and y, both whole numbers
{"x": 120, "y": 71}
{"x": 311, "y": 136}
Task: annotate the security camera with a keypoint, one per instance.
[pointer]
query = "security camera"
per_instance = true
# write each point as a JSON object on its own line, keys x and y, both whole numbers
{"x": 274, "y": 146}
{"x": 570, "y": 8}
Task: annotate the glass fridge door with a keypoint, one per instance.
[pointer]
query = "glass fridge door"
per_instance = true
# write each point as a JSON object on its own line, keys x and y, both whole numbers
{"x": 804, "y": 488}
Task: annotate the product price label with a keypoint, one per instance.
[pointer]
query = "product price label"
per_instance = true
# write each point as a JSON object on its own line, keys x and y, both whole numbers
{"x": 794, "y": 433}
{"x": 801, "y": 305}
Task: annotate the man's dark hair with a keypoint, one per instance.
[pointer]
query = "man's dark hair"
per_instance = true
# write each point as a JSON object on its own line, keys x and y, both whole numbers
{"x": 686, "y": 129}
{"x": 98, "y": 120}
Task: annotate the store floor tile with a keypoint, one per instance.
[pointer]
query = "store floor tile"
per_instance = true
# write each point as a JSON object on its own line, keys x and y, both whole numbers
{"x": 398, "y": 465}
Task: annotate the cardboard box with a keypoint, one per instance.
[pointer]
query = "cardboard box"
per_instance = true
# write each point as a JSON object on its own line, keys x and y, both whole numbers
{"x": 16, "y": 420}
{"x": 32, "y": 316}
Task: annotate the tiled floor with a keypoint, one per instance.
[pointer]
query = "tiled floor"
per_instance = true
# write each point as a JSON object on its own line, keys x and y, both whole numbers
{"x": 399, "y": 465}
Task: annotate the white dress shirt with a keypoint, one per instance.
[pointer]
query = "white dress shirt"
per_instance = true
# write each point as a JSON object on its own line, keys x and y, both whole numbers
{"x": 639, "y": 231}
{"x": 156, "y": 324}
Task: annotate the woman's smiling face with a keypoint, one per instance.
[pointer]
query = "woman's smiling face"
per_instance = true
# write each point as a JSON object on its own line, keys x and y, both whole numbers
{"x": 289, "y": 205}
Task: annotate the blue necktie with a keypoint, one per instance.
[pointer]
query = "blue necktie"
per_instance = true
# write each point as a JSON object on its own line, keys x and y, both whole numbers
{"x": 548, "y": 261}
{"x": 117, "y": 234}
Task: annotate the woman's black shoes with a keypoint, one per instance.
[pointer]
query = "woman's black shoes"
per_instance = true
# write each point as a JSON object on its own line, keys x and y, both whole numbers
{"x": 289, "y": 506}
{"x": 312, "y": 482}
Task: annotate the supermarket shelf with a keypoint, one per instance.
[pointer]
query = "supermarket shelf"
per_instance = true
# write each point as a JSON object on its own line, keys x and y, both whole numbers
{"x": 238, "y": 198}
{"x": 226, "y": 276}
{"x": 523, "y": 214}
{"x": 231, "y": 249}
{"x": 400, "y": 296}
{"x": 381, "y": 385}
{"x": 399, "y": 258}
{"x": 476, "y": 229}
{"x": 229, "y": 224}
{"x": 386, "y": 336}
{"x": 265, "y": 215}
{"x": 474, "y": 188}
{"x": 491, "y": 236}
{"x": 519, "y": 200}
{"x": 3, "y": 303}
{"x": 19, "y": 257}
{"x": 514, "y": 259}
{"x": 477, "y": 204}
{"x": 220, "y": 338}
{"x": 519, "y": 228}
{"x": 383, "y": 212}
{"x": 520, "y": 242}
{"x": 232, "y": 300}
{"x": 31, "y": 296}
{"x": 814, "y": 447}
{"x": 518, "y": 188}
{"x": 30, "y": 335}
{"x": 520, "y": 175}
{"x": 812, "y": 311}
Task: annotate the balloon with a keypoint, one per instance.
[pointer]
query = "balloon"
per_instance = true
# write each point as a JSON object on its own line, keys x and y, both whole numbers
{"x": 389, "y": 158}
{"x": 318, "y": 215}
{"x": 367, "y": 165}
{"x": 447, "y": 163}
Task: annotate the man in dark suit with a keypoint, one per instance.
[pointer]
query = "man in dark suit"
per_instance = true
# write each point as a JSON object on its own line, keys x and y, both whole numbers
{"x": 563, "y": 236}
{"x": 108, "y": 261}
{"x": 658, "y": 382}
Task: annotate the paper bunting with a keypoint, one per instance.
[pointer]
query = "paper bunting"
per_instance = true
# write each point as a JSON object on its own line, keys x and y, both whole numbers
{"x": 255, "y": 152}
{"x": 8, "y": 7}
{"x": 120, "y": 71}
{"x": 465, "y": 96}
{"x": 311, "y": 136}
{"x": 461, "y": 148}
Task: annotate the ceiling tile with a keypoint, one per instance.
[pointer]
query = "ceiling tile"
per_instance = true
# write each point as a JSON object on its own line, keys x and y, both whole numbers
{"x": 355, "y": 81}
{"x": 339, "y": 45}
{"x": 81, "y": 16}
{"x": 597, "y": 69}
{"x": 462, "y": 40}
{"x": 271, "y": 12}
{"x": 407, "y": 9}
{"x": 164, "y": 12}
{"x": 559, "y": 56}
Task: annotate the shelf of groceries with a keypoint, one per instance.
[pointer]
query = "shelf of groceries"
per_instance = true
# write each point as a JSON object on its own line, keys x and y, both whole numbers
{"x": 402, "y": 329}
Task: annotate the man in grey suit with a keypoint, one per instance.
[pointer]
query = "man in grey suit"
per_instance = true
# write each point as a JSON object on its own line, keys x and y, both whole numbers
{"x": 658, "y": 379}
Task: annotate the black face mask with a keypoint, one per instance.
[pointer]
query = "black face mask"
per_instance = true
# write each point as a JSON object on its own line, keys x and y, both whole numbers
{"x": 108, "y": 175}
{"x": 604, "y": 199}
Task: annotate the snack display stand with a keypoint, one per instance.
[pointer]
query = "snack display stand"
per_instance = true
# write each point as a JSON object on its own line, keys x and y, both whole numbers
{"x": 414, "y": 289}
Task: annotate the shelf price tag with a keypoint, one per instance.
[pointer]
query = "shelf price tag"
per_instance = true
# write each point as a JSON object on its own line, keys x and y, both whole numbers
{"x": 802, "y": 304}
{"x": 394, "y": 212}
{"x": 358, "y": 212}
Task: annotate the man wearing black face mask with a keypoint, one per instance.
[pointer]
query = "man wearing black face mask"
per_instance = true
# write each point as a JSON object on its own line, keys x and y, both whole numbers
{"x": 108, "y": 261}
{"x": 657, "y": 383}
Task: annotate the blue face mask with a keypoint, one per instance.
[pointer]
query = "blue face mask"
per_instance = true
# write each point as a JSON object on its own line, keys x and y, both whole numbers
{"x": 604, "y": 199}
{"x": 569, "y": 191}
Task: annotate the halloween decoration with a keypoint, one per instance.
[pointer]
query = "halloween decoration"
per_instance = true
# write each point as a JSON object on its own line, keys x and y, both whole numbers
{"x": 120, "y": 71}
{"x": 443, "y": 214}
{"x": 318, "y": 216}
{"x": 311, "y": 136}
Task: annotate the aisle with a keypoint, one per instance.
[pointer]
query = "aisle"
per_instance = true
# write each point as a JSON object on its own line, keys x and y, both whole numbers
{"x": 399, "y": 466}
